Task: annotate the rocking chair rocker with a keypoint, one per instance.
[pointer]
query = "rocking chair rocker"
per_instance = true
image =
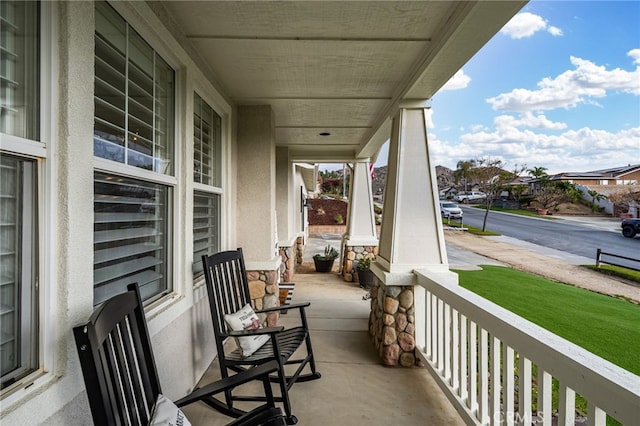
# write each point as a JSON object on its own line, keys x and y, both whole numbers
{"x": 228, "y": 291}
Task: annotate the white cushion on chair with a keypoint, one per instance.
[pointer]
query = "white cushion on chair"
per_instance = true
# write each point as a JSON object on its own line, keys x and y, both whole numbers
{"x": 247, "y": 319}
{"x": 166, "y": 413}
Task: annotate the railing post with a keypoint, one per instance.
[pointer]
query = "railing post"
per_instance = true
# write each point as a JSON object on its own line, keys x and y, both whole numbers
{"x": 544, "y": 397}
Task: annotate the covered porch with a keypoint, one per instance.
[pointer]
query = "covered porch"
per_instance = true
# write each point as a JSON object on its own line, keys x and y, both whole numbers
{"x": 248, "y": 98}
{"x": 476, "y": 363}
{"x": 355, "y": 387}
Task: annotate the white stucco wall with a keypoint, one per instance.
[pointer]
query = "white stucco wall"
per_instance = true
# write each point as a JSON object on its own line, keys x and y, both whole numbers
{"x": 179, "y": 324}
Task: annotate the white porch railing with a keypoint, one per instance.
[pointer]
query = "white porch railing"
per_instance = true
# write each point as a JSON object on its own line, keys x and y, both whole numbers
{"x": 482, "y": 355}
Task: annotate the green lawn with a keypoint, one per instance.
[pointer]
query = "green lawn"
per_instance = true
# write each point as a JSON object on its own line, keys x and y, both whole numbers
{"x": 606, "y": 326}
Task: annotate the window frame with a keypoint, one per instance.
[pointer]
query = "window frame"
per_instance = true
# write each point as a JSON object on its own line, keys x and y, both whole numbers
{"x": 45, "y": 217}
{"x": 218, "y": 190}
{"x": 170, "y": 181}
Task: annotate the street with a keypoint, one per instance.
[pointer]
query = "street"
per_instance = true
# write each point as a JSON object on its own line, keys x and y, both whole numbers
{"x": 571, "y": 235}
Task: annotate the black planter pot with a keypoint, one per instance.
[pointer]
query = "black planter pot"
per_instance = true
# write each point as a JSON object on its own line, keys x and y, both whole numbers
{"x": 365, "y": 278}
{"x": 323, "y": 265}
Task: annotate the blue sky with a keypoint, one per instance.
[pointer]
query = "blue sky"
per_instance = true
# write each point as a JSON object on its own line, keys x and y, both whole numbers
{"x": 558, "y": 87}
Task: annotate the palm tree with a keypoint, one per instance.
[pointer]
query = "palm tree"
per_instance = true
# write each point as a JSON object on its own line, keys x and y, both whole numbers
{"x": 595, "y": 197}
{"x": 463, "y": 171}
{"x": 538, "y": 172}
{"x": 541, "y": 176}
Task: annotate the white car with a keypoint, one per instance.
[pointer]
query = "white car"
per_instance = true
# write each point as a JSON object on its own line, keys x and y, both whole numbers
{"x": 470, "y": 197}
{"x": 450, "y": 210}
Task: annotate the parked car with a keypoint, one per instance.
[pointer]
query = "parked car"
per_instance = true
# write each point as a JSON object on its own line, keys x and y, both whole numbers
{"x": 630, "y": 227}
{"x": 450, "y": 210}
{"x": 470, "y": 197}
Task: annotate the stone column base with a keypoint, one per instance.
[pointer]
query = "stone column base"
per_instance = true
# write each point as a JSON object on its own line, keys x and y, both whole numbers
{"x": 392, "y": 324}
{"x": 350, "y": 257}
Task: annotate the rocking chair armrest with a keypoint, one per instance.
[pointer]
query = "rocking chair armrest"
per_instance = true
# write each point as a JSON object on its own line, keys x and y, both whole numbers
{"x": 254, "y": 332}
{"x": 255, "y": 373}
{"x": 285, "y": 307}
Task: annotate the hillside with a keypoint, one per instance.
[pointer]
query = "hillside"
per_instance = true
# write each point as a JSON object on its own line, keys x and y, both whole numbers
{"x": 444, "y": 176}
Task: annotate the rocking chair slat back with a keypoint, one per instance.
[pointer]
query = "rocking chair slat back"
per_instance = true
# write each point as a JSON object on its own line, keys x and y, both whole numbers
{"x": 126, "y": 383}
{"x": 121, "y": 377}
{"x": 229, "y": 289}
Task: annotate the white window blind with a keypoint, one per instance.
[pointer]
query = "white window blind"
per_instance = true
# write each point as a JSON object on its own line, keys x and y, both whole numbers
{"x": 207, "y": 166}
{"x": 134, "y": 97}
{"x": 206, "y": 227}
{"x": 131, "y": 237}
{"x": 19, "y": 76}
{"x": 18, "y": 259}
{"x": 207, "y": 134}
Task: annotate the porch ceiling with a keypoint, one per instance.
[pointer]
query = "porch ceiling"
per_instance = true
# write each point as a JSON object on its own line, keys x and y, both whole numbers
{"x": 340, "y": 67}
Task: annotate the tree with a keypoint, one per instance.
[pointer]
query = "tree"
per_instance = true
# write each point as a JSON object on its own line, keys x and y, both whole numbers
{"x": 595, "y": 197}
{"x": 517, "y": 191}
{"x": 463, "y": 172}
{"x": 491, "y": 177}
{"x": 552, "y": 194}
{"x": 538, "y": 172}
{"x": 625, "y": 198}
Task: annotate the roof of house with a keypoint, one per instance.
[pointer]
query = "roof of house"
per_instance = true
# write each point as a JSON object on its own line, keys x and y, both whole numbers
{"x": 612, "y": 173}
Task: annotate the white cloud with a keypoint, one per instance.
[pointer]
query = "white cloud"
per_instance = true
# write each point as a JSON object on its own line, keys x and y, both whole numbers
{"x": 574, "y": 150}
{"x": 459, "y": 81}
{"x": 555, "y": 31}
{"x": 526, "y": 24}
{"x": 572, "y": 87}
{"x": 528, "y": 119}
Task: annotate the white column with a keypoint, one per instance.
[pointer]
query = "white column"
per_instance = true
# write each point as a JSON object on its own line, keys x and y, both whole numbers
{"x": 411, "y": 236}
{"x": 256, "y": 187}
{"x": 285, "y": 201}
{"x": 361, "y": 224}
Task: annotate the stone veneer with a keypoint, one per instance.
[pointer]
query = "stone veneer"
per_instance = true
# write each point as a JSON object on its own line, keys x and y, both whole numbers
{"x": 288, "y": 263}
{"x": 350, "y": 259}
{"x": 392, "y": 324}
{"x": 264, "y": 293}
{"x": 300, "y": 250}
{"x": 291, "y": 256}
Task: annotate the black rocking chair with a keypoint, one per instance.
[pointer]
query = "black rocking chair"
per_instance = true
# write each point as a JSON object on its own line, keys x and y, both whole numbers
{"x": 228, "y": 291}
{"x": 120, "y": 373}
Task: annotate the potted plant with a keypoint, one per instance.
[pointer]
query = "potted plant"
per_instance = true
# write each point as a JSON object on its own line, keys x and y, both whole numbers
{"x": 365, "y": 275}
{"x": 324, "y": 262}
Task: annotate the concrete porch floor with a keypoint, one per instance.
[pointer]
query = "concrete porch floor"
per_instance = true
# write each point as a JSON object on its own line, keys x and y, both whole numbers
{"x": 355, "y": 388}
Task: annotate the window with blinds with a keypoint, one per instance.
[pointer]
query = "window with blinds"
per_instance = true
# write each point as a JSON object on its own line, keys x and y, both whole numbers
{"x": 133, "y": 125}
{"x": 207, "y": 165}
{"x": 134, "y": 97}
{"x": 206, "y": 227}
{"x": 20, "y": 120}
{"x": 18, "y": 260}
{"x": 131, "y": 237}
{"x": 207, "y": 134}
{"x": 19, "y": 76}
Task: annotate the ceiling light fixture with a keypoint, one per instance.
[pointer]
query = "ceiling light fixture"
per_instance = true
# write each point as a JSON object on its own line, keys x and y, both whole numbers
{"x": 325, "y": 134}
